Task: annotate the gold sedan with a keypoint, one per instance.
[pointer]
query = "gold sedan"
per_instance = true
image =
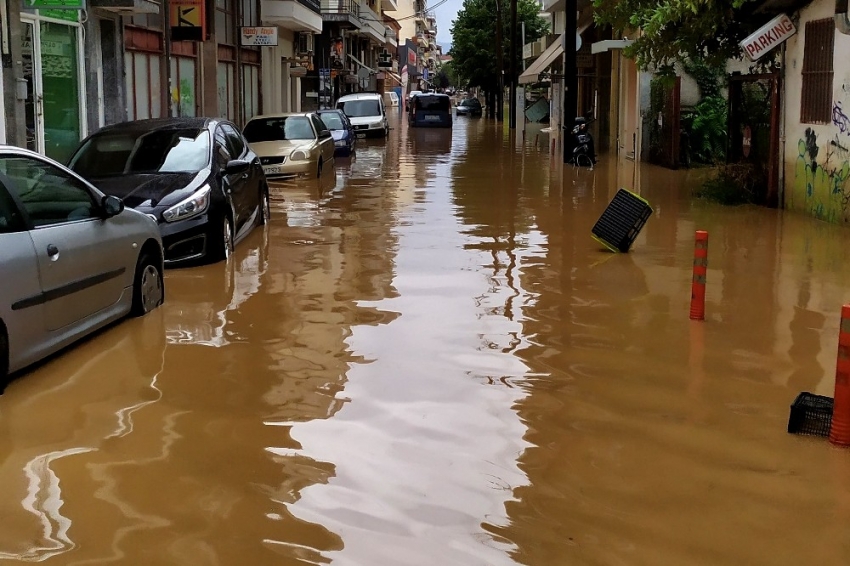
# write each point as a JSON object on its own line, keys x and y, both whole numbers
{"x": 291, "y": 145}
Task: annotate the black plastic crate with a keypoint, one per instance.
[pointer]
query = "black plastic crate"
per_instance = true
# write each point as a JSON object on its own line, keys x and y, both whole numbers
{"x": 810, "y": 414}
{"x": 622, "y": 221}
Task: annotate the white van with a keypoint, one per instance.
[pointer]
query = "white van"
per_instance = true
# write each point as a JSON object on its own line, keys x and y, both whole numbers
{"x": 366, "y": 112}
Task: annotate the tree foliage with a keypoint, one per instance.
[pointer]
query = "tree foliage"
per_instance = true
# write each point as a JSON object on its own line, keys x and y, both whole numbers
{"x": 475, "y": 56}
{"x": 680, "y": 29}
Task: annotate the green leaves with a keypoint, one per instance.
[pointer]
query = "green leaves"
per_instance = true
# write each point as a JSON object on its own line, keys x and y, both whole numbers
{"x": 679, "y": 29}
{"x": 474, "y": 54}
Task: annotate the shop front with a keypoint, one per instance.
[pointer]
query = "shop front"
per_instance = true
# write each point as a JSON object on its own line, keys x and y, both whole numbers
{"x": 52, "y": 57}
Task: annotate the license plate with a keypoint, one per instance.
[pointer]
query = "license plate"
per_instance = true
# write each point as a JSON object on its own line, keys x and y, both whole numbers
{"x": 272, "y": 170}
{"x": 361, "y": 135}
{"x": 432, "y": 118}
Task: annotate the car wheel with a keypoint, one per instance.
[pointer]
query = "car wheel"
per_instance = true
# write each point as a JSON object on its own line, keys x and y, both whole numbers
{"x": 265, "y": 206}
{"x": 147, "y": 285}
{"x": 319, "y": 168}
{"x": 224, "y": 247}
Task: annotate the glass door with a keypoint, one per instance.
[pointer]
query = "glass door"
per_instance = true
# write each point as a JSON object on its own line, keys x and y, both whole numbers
{"x": 51, "y": 59}
{"x": 32, "y": 104}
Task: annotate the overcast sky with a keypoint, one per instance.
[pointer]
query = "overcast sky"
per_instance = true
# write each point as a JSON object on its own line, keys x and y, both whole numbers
{"x": 445, "y": 14}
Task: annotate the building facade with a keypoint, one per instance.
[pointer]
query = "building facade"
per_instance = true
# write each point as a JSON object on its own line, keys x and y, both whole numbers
{"x": 70, "y": 70}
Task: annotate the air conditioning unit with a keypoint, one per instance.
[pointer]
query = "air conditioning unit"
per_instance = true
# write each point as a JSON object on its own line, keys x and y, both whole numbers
{"x": 305, "y": 43}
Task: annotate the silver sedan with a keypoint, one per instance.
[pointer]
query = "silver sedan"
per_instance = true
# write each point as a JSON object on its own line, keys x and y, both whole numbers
{"x": 72, "y": 260}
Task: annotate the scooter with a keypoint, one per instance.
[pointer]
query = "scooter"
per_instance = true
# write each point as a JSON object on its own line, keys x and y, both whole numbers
{"x": 584, "y": 153}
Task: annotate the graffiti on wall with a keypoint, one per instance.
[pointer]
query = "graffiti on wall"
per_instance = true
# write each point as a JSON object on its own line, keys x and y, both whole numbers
{"x": 822, "y": 176}
{"x": 840, "y": 119}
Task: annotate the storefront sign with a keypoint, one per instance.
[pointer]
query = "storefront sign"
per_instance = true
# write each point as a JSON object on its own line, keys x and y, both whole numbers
{"x": 54, "y": 4}
{"x": 258, "y": 36}
{"x": 768, "y": 36}
{"x": 188, "y": 20}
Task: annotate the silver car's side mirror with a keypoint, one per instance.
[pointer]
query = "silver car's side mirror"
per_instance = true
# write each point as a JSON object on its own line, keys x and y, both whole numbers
{"x": 112, "y": 206}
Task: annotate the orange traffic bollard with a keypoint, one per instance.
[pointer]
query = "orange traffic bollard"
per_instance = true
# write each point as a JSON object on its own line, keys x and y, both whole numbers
{"x": 839, "y": 432}
{"x": 700, "y": 269}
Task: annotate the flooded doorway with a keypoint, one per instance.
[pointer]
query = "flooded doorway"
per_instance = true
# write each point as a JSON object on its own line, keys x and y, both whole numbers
{"x": 754, "y": 131}
{"x": 52, "y": 69}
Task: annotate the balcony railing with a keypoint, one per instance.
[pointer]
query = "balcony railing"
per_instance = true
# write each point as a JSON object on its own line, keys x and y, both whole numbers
{"x": 341, "y": 7}
{"x": 313, "y": 5}
{"x": 372, "y": 23}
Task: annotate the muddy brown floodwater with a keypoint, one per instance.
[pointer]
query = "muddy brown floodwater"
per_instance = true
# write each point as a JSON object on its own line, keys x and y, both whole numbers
{"x": 426, "y": 360}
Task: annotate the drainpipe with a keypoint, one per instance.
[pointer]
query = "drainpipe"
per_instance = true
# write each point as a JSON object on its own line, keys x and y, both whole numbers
{"x": 842, "y": 18}
{"x": 781, "y": 179}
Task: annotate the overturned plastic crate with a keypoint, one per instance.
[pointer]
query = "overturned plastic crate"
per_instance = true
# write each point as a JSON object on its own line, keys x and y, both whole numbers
{"x": 622, "y": 221}
{"x": 810, "y": 414}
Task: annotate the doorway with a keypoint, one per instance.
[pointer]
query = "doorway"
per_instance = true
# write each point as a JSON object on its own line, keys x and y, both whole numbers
{"x": 52, "y": 69}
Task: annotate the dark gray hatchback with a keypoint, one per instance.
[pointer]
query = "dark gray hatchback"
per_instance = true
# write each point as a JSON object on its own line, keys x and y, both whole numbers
{"x": 196, "y": 177}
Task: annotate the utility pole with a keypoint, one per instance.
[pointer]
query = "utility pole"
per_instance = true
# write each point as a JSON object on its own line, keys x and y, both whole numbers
{"x": 570, "y": 80}
{"x": 500, "y": 92}
{"x": 513, "y": 109}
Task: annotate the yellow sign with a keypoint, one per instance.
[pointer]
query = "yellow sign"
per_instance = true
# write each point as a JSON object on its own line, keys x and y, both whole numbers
{"x": 186, "y": 15}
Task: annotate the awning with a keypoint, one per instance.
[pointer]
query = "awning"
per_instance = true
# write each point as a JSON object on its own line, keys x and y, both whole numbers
{"x": 394, "y": 76}
{"x": 359, "y": 62}
{"x": 609, "y": 44}
{"x": 532, "y": 74}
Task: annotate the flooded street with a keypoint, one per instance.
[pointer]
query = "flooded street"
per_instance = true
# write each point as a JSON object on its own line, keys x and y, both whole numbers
{"x": 425, "y": 359}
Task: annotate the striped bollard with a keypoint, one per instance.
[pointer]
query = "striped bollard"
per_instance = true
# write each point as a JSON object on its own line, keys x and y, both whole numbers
{"x": 700, "y": 269}
{"x": 839, "y": 432}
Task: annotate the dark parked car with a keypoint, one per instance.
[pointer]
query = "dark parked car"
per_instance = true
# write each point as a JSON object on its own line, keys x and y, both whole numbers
{"x": 342, "y": 131}
{"x": 469, "y": 107}
{"x": 430, "y": 110}
{"x": 196, "y": 177}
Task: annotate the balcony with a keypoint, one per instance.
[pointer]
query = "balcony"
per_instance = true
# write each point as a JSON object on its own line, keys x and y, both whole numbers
{"x": 373, "y": 26}
{"x": 295, "y": 15}
{"x": 127, "y": 6}
{"x": 344, "y": 12}
{"x": 389, "y": 5}
{"x": 390, "y": 36}
{"x": 422, "y": 40}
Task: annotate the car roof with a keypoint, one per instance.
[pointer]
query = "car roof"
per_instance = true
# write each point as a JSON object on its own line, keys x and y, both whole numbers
{"x": 359, "y": 96}
{"x": 282, "y": 115}
{"x": 161, "y": 123}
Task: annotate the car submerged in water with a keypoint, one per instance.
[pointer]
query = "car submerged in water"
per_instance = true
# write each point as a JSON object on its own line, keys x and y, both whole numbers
{"x": 196, "y": 177}
{"x": 72, "y": 259}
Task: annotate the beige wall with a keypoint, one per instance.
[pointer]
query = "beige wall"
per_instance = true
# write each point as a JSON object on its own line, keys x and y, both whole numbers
{"x": 279, "y": 89}
{"x": 817, "y": 156}
{"x": 404, "y": 16}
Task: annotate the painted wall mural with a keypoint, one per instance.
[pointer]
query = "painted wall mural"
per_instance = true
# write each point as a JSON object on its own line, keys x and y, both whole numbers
{"x": 821, "y": 184}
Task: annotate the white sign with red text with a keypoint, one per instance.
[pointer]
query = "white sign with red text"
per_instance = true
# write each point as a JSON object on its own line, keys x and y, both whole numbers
{"x": 768, "y": 36}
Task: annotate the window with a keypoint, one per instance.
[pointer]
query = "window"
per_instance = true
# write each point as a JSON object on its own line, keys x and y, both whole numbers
{"x": 251, "y": 90}
{"x": 249, "y": 13}
{"x": 816, "y": 104}
{"x": 279, "y": 129}
{"x": 235, "y": 145}
{"x": 48, "y": 194}
{"x": 225, "y": 22}
{"x": 227, "y": 90}
{"x": 318, "y": 124}
{"x": 221, "y": 151}
{"x": 183, "y": 78}
{"x": 144, "y": 98}
{"x": 111, "y": 154}
{"x": 10, "y": 220}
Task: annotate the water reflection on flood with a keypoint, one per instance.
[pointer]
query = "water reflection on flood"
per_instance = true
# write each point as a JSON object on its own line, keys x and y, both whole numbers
{"x": 425, "y": 359}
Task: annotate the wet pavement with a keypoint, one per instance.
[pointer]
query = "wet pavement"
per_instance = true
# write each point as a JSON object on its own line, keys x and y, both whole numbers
{"x": 425, "y": 359}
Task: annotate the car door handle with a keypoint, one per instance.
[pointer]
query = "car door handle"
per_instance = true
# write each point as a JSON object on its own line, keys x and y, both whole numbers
{"x": 52, "y": 252}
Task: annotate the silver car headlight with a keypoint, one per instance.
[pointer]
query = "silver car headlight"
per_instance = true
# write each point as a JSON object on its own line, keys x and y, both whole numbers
{"x": 192, "y": 206}
{"x": 298, "y": 155}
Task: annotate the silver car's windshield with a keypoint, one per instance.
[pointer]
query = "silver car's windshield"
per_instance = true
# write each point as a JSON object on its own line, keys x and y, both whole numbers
{"x": 279, "y": 129}
{"x": 172, "y": 150}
